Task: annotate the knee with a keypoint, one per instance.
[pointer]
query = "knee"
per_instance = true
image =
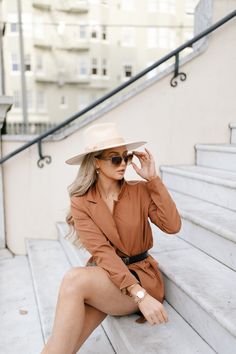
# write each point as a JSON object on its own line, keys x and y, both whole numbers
{"x": 74, "y": 281}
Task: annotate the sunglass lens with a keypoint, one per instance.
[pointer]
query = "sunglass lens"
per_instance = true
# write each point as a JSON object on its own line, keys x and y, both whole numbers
{"x": 116, "y": 160}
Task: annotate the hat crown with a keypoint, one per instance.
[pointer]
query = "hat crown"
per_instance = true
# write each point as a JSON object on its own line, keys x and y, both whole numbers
{"x": 99, "y": 135}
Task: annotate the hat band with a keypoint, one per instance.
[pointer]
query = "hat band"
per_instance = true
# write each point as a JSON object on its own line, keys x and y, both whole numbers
{"x": 105, "y": 144}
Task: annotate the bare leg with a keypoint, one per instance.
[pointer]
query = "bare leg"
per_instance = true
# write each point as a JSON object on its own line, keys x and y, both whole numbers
{"x": 93, "y": 318}
{"x": 80, "y": 286}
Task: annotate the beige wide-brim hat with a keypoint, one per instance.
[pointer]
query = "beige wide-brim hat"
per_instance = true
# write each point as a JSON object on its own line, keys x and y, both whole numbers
{"x": 102, "y": 136}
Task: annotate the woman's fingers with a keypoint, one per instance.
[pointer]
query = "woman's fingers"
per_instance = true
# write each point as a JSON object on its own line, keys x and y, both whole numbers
{"x": 143, "y": 155}
{"x": 149, "y": 153}
{"x": 136, "y": 168}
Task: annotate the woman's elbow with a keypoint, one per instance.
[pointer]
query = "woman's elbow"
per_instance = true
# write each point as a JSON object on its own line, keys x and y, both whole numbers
{"x": 176, "y": 227}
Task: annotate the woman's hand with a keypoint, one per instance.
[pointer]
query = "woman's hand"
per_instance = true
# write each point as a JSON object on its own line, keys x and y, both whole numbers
{"x": 147, "y": 169}
{"x": 153, "y": 310}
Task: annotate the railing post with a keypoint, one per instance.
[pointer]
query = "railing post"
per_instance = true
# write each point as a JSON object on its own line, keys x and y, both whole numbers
{"x": 5, "y": 105}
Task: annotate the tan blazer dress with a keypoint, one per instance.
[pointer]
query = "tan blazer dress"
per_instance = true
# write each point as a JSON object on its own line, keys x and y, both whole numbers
{"x": 127, "y": 231}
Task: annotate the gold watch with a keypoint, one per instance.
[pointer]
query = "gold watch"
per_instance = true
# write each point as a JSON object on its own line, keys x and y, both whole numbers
{"x": 139, "y": 296}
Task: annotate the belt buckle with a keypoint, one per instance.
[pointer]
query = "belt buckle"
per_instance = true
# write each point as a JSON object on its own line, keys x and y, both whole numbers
{"x": 126, "y": 260}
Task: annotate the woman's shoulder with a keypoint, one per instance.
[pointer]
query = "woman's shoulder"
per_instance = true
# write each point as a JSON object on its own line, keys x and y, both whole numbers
{"x": 77, "y": 200}
{"x": 136, "y": 185}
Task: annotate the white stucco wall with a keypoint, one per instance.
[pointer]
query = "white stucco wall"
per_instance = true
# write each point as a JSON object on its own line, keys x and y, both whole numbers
{"x": 172, "y": 120}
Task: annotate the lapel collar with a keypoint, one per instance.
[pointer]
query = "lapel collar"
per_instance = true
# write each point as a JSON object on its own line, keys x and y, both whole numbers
{"x": 102, "y": 216}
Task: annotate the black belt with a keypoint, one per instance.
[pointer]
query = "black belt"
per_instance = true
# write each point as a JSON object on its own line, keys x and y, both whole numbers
{"x": 137, "y": 258}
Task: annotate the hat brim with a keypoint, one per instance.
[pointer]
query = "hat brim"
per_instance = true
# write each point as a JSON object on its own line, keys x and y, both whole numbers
{"x": 77, "y": 159}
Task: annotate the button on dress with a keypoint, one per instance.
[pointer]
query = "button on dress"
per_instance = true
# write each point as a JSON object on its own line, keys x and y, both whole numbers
{"x": 126, "y": 231}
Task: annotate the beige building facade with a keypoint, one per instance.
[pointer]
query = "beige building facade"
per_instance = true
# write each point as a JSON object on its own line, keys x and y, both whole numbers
{"x": 76, "y": 51}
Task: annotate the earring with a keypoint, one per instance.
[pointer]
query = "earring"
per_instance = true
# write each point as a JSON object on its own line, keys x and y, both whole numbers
{"x": 97, "y": 171}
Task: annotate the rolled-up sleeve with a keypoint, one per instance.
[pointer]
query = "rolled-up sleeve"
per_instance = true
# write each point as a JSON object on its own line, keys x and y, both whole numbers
{"x": 99, "y": 247}
{"x": 162, "y": 209}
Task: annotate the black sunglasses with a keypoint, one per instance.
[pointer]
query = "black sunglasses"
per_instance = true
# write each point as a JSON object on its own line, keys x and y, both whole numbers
{"x": 116, "y": 160}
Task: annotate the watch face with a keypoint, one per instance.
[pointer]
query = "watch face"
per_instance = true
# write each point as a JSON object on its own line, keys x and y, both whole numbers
{"x": 140, "y": 294}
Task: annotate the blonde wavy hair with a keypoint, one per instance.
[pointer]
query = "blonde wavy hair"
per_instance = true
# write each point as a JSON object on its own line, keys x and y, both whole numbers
{"x": 85, "y": 179}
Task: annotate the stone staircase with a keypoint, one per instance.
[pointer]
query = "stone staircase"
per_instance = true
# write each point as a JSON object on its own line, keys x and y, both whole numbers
{"x": 198, "y": 266}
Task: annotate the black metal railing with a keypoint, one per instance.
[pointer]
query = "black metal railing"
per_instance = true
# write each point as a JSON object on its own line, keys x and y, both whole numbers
{"x": 173, "y": 54}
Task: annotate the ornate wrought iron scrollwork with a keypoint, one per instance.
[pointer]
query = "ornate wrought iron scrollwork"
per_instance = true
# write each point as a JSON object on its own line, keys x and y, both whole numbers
{"x": 42, "y": 159}
{"x": 181, "y": 75}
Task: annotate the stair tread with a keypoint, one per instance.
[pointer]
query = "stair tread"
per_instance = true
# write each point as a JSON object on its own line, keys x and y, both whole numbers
{"x": 151, "y": 338}
{"x": 49, "y": 264}
{"x": 214, "y": 175}
{"x": 20, "y": 333}
{"x": 218, "y": 219}
{"x": 175, "y": 336}
{"x": 207, "y": 281}
{"x": 217, "y": 147}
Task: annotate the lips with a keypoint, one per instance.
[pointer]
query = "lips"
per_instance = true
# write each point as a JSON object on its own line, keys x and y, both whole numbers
{"x": 121, "y": 171}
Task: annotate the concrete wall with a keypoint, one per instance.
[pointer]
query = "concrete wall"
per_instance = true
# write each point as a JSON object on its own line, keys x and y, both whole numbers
{"x": 171, "y": 119}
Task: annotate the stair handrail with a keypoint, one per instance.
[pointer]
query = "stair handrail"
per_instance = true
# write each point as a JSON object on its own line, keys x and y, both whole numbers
{"x": 173, "y": 53}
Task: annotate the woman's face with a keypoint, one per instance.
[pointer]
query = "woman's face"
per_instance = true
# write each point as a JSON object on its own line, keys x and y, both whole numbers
{"x": 107, "y": 168}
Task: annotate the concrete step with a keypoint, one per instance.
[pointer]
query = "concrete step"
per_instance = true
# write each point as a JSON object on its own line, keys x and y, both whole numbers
{"x": 221, "y": 156}
{"x": 5, "y": 254}
{"x": 233, "y": 133}
{"x": 209, "y": 184}
{"x": 75, "y": 256}
{"x": 49, "y": 264}
{"x": 21, "y": 330}
{"x": 201, "y": 290}
{"x": 127, "y": 336}
{"x": 208, "y": 227}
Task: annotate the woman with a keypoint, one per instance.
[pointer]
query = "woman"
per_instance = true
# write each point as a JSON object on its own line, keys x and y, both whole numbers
{"x": 110, "y": 216}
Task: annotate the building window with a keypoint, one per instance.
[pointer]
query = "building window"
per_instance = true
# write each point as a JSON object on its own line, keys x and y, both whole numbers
{"x": 104, "y": 33}
{"x": 94, "y": 66}
{"x": 152, "y": 37}
{"x": 104, "y": 67}
{"x": 127, "y": 5}
{"x": 63, "y": 101}
{"x": 40, "y": 101}
{"x": 166, "y": 6}
{"x": 15, "y": 62}
{"x": 152, "y": 5}
{"x": 27, "y": 24}
{"x": 14, "y": 28}
{"x": 61, "y": 27}
{"x": 95, "y": 31}
{"x": 127, "y": 70}
{"x": 29, "y": 100}
{"x": 16, "y": 99}
{"x": 39, "y": 63}
{"x": 82, "y": 32}
{"x": 27, "y": 62}
{"x": 83, "y": 67}
{"x": 128, "y": 36}
{"x": 39, "y": 28}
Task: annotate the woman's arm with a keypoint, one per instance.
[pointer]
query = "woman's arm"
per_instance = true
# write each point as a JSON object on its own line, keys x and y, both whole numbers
{"x": 162, "y": 209}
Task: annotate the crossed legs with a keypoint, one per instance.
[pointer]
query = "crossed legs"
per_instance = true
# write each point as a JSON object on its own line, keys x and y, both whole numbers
{"x": 85, "y": 298}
